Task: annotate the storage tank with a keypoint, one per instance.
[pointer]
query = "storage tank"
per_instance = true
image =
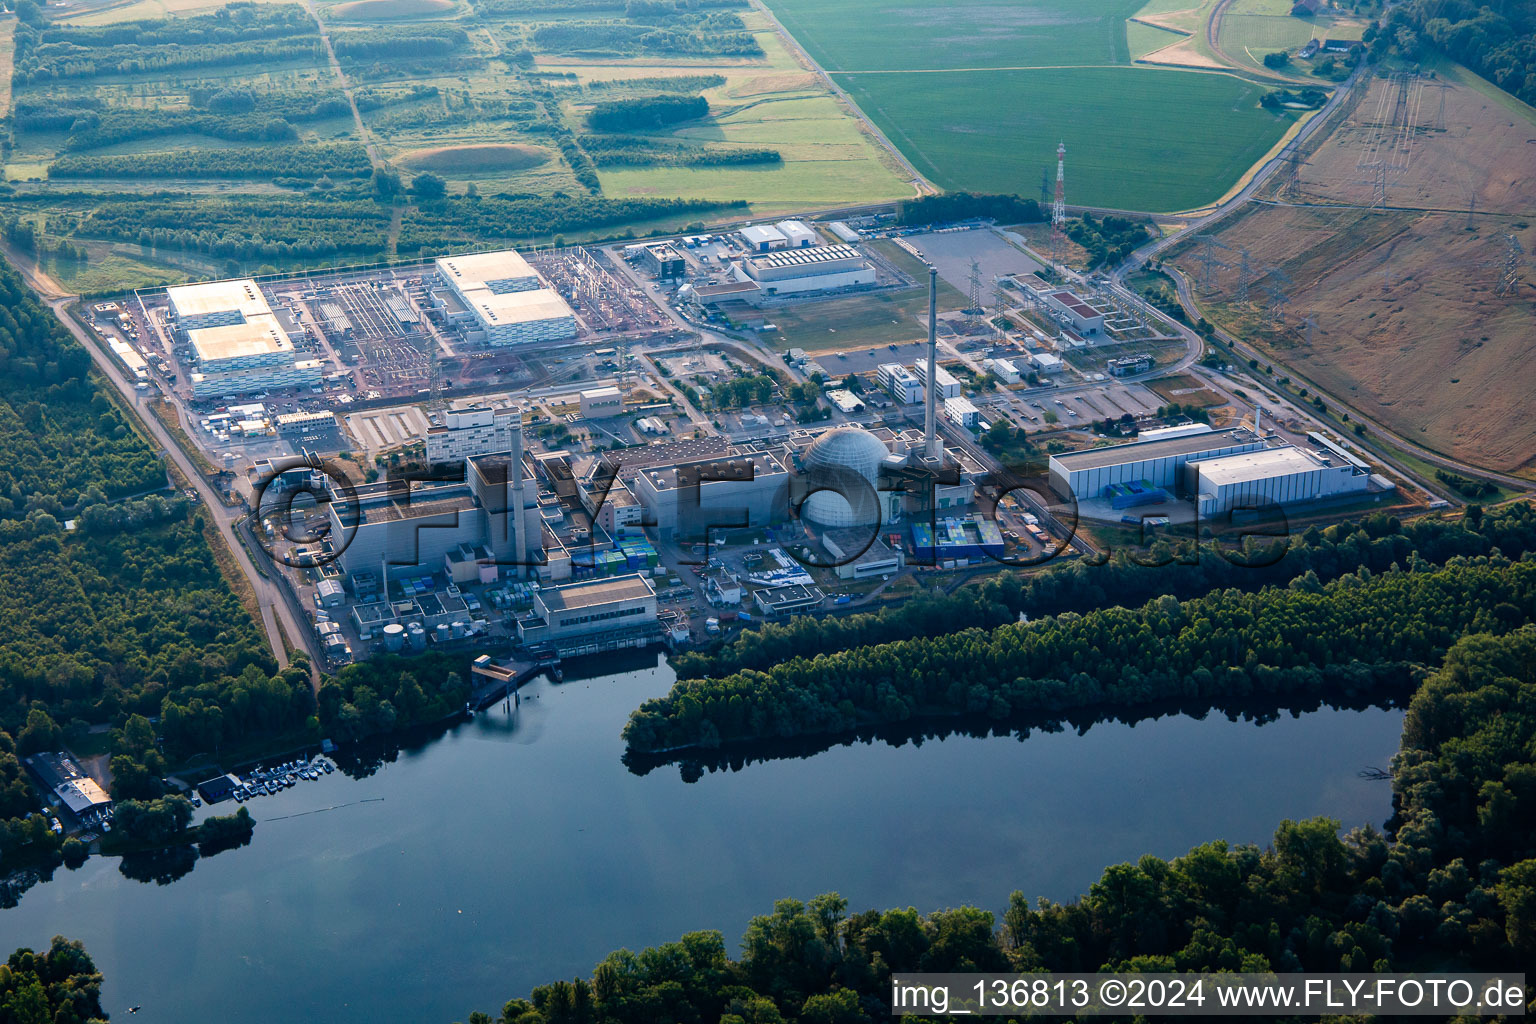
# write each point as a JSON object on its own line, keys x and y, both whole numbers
{"x": 394, "y": 636}
{"x": 458, "y": 629}
{"x": 417, "y": 637}
{"x": 441, "y": 632}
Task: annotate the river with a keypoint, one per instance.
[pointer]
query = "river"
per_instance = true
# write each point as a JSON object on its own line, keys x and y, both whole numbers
{"x": 516, "y": 849}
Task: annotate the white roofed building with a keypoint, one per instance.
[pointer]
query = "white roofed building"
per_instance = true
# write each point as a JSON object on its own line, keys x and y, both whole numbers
{"x": 506, "y": 299}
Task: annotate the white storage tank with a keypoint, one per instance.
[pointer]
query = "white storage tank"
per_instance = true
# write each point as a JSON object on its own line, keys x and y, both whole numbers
{"x": 394, "y": 636}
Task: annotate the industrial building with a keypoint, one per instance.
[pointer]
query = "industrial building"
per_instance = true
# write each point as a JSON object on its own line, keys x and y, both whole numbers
{"x": 858, "y": 557}
{"x": 738, "y": 488}
{"x": 1085, "y": 474}
{"x": 591, "y": 613}
{"x": 797, "y": 234}
{"x": 948, "y": 384}
{"x": 1071, "y": 307}
{"x": 600, "y": 403}
{"x": 962, "y": 412}
{"x": 819, "y": 268}
{"x": 953, "y": 539}
{"x": 237, "y": 342}
{"x": 466, "y": 433}
{"x": 1047, "y": 362}
{"x": 663, "y": 260}
{"x": 763, "y": 238}
{"x": 129, "y": 356}
{"x": 900, "y": 383}
{"x": 298, "y": 424}
{"x": 61, "y": 777}
{"x": 843, "y": 232}
{"x": 1003, "y": 369}
{"x": 1127, "y": 365}
{"x": 1279, "y": 476}
{"x": 503, "y": 297}
{"x": 785, "y": 600}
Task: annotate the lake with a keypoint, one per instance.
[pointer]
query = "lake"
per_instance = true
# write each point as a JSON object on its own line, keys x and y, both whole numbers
{"x": 516, "y": 849}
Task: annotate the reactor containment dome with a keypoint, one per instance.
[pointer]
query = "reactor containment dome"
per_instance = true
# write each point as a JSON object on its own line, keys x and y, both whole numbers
{"x": 842, "y": 470}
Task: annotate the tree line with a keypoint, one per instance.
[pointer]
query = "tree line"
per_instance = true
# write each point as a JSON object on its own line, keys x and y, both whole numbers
{"x": 648, "y": 151}
{"x": 707, "y": 36}
{"x": 334, "y": 160}
{"x": 387, "y": 694}
{"x": 1451, "y": 883}
{"x": 947, "y": 207}
{"x": 404, "y": 41}
{"x": 1309, "y": 637}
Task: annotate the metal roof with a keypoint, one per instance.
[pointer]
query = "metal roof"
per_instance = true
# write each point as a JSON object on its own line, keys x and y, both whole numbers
{"x": 595, "y": 592}
{"x": 1142, "y": 451}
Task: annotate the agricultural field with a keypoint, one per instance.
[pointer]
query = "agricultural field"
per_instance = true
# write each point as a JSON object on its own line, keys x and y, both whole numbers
{"x": 1408, "y": 328}
{"x": 222, "y": 139}
{"x": 903, "y": 35}
{"x": 994, "y": 132}
{"x": 983, "y": 109}
{"x": 1249, "y": 29}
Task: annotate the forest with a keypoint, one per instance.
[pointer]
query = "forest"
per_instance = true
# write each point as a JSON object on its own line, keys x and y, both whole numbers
{"x": 333, "y": 160}
{"x": 1374, "y": 543}
{"x": 700, "y": 35}
{"x": 646, "y": 112}
{"x": 240, "y": 33}
{"x": 1107, "y": 240}
{"x": 1307, "y": 638}
{"x": 1451, "y": 885}
{"x": 405, "y": 41}
{"x": 1495, "y": 38}
{"x": 57, "y": 986}
{"x": 390, "y": 693}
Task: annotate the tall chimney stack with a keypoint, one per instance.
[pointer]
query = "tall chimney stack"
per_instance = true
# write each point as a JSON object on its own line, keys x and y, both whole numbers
{"x": 933, "y": 447}
{"x": 519, "y": 507}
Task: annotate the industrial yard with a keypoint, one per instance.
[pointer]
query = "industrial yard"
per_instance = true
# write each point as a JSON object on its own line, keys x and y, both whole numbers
{"x": 675, "y": 459}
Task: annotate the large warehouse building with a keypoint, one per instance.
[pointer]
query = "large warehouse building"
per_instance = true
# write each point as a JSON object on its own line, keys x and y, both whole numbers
{"x": 818, "y": 268}
{"x": 1085, "y": 474}
{"x": 1280, "y": 476}
{"x": 577, "y": 614}
{"x": 504, "y": 297}
{"x": 237, "y": 342}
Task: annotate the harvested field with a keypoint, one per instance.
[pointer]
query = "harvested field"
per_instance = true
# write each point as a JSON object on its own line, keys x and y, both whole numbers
{"x": 382, "y": 10}
{"x": 474, "y": 159}
{"x": 1409, "y": 330}
{"x": 1479, "y": 145}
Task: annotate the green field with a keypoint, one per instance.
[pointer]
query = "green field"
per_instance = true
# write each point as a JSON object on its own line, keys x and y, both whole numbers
{"x": 904, "y": 35}
{"x": 1137, "y": 138}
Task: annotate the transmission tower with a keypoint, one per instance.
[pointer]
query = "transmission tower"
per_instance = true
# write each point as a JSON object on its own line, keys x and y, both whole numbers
{"x": 1471, "y": 209}
{"x": 975, "y": 312}
{"x": 1045, "y": 187}
{"x": 1209, "y": 262}
{"x": 1245, "y": 275}
{"x": 1276, "y": 289}
{"x": 434, "y": 373}
{"x": 1377, "y": 181}
{"x": 1291, "y": 177}
{"x": 1509, "y": 265}
{"x": 1310, "y": 326}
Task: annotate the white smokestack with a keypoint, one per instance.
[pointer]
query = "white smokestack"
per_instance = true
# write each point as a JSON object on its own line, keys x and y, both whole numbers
{"x": 933, "y": 448}
{"x": 518, "y": 510}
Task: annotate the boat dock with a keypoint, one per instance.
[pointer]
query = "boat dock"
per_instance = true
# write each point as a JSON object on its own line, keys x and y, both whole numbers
{"x": 496, "y": 680}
